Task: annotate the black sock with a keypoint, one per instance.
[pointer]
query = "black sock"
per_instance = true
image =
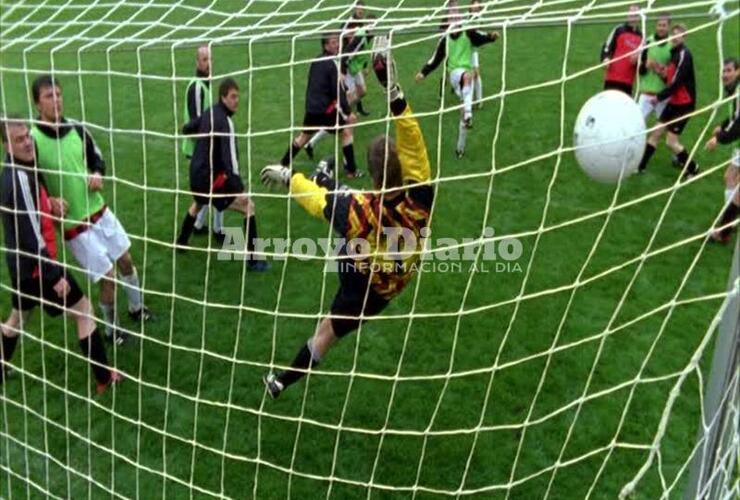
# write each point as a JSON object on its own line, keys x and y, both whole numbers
{"x": 649, "y": 150}
{"x": 250, "y": 228}
{"x": 349, "y": 158}
{"x": 93, "y": 348}
{"x": 7, "y": 347}
{"x": 188, "y": 223}
{"x": 728, "y": 216}
{"x": 683, "y": 159}
{"x": 303, "y": 360}
{"x": 359, "y": 107}
{"x": 290, "y": 154}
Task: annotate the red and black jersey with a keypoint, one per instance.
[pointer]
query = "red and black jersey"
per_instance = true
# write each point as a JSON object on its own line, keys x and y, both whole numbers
{"x": 622, "y": 41}
{"x": 680, "y": 80}
{"x": 30, "y": 240}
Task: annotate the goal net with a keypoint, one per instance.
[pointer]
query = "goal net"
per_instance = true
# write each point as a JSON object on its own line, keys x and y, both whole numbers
{"x": 557, "y": 339}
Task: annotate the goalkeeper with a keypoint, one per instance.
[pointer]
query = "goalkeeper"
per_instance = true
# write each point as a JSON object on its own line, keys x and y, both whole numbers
{"x": 367, "y": 282}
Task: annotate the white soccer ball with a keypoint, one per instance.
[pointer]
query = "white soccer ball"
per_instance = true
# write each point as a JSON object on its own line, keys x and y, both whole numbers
{"x": 609, "y": 136}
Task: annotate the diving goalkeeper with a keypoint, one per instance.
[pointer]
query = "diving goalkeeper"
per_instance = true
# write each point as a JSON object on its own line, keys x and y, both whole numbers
{"x": 368, "y": 281}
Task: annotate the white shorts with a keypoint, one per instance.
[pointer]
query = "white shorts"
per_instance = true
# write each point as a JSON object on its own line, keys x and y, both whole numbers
{"x": 456, "y": 80}
{"x": 354, "y": 81}
{"x": 474, "y": 60}
{"x": 98, "y": 248}
{"x": 648, "y": 104}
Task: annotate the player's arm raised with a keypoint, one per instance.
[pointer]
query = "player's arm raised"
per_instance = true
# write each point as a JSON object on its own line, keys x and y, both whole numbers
{"x": 439, "y": 55}
{"x": 410, "y": 146}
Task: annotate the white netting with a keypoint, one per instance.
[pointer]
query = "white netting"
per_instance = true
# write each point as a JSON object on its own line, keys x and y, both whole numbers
{"x": 575, "y": 370}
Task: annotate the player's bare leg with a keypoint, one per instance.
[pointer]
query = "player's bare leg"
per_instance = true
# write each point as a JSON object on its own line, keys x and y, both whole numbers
{"x": 724, "y": 226}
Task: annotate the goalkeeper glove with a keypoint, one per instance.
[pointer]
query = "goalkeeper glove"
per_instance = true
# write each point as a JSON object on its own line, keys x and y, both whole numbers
{"x": 275, "y": 174}
{"x": 385, "y": 67}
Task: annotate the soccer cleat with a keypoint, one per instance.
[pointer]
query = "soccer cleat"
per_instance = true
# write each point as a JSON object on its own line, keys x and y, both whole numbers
{"x": 309, "y": 150}
{"x": 141, "y": 314}
{"x": 361, "y": 109}
{"x": 468, "y": 121}
{"x": 200, "y": 231}
{"x": 115, "y": 378}
{"x": 273, "y": 385}
{"x": 459, "y": 153}
{"x": 116, "y": 336}
{"x": 258, "y": 266}
{"x": 690, "y": 174}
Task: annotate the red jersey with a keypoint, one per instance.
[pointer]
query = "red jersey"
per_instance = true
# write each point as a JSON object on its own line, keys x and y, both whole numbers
{"x": 622, "y": 41}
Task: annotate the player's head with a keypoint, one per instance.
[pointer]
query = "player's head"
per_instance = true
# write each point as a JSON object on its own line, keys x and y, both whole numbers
{"x": 475, "y": 6}
{"x": 203, "y": 59}
{"x": 679, "y": 33}
{"x": 663, "y": 25}
{"x": 228, "y": 92}
{"x": 633, "y": 16}
{"x": 47, "y": 95}
{"x": 359, "y": 10}
{"x": 16, "y": 139}
{"x": 730, "y": 72}
{"x": 330, "y": 43}
{"x": 383, "y": 163}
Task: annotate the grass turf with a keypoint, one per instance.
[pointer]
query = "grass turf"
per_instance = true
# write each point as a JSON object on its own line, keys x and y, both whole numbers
{"x": 192, "y": 419}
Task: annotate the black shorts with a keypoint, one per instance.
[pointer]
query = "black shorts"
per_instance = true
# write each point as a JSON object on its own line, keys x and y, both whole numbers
{"x": 623, "y": 87}
{"x": 350, "y": 301}
{"x": 675, "y": 112}
{"x": 222, "y": 185}
{"x": 32, "y": 291}
{"x": 328, "y": 121}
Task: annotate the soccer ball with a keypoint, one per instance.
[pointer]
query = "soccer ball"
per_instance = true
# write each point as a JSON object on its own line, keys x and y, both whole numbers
{"x": 609, "y": 136}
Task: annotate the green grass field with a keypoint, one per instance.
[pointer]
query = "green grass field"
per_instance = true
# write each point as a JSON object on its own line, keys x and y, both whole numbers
{"x": 442, "y": 393}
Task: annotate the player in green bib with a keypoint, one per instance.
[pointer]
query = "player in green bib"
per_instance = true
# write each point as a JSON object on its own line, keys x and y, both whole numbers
{"x": 73, "y": 167}
{"x": 653, "y": 63}
{"x": 198, "y": 99}
{"x": 456, "y": 47}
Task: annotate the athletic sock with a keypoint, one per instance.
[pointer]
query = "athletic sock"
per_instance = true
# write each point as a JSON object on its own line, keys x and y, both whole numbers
{"x": 649, "y": 150}
{"x": 7, "y": 347}
{"x": 360, "y": 109}
{"x": 218, "y": 221}
{"x": 467, "y": 93}
{"x": 200, "y": 219}
{"x": 462, "y": 134}
{"x": 683, "y": 159}
{"x": 317, "y": 137}
{"x": 109, "y": 316}
{"x": 478, "y": 88}
{"x": 93, "y": 348}
{"x": 186, "y": 230}
{"x": 349, "y": 158}
{"x": 133, "y": 290}
{"x": 250, "y": 228}
{"x": 304, "y": 360}
{"x": 728, "y": 216}
{"x": 290, "y": 154}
